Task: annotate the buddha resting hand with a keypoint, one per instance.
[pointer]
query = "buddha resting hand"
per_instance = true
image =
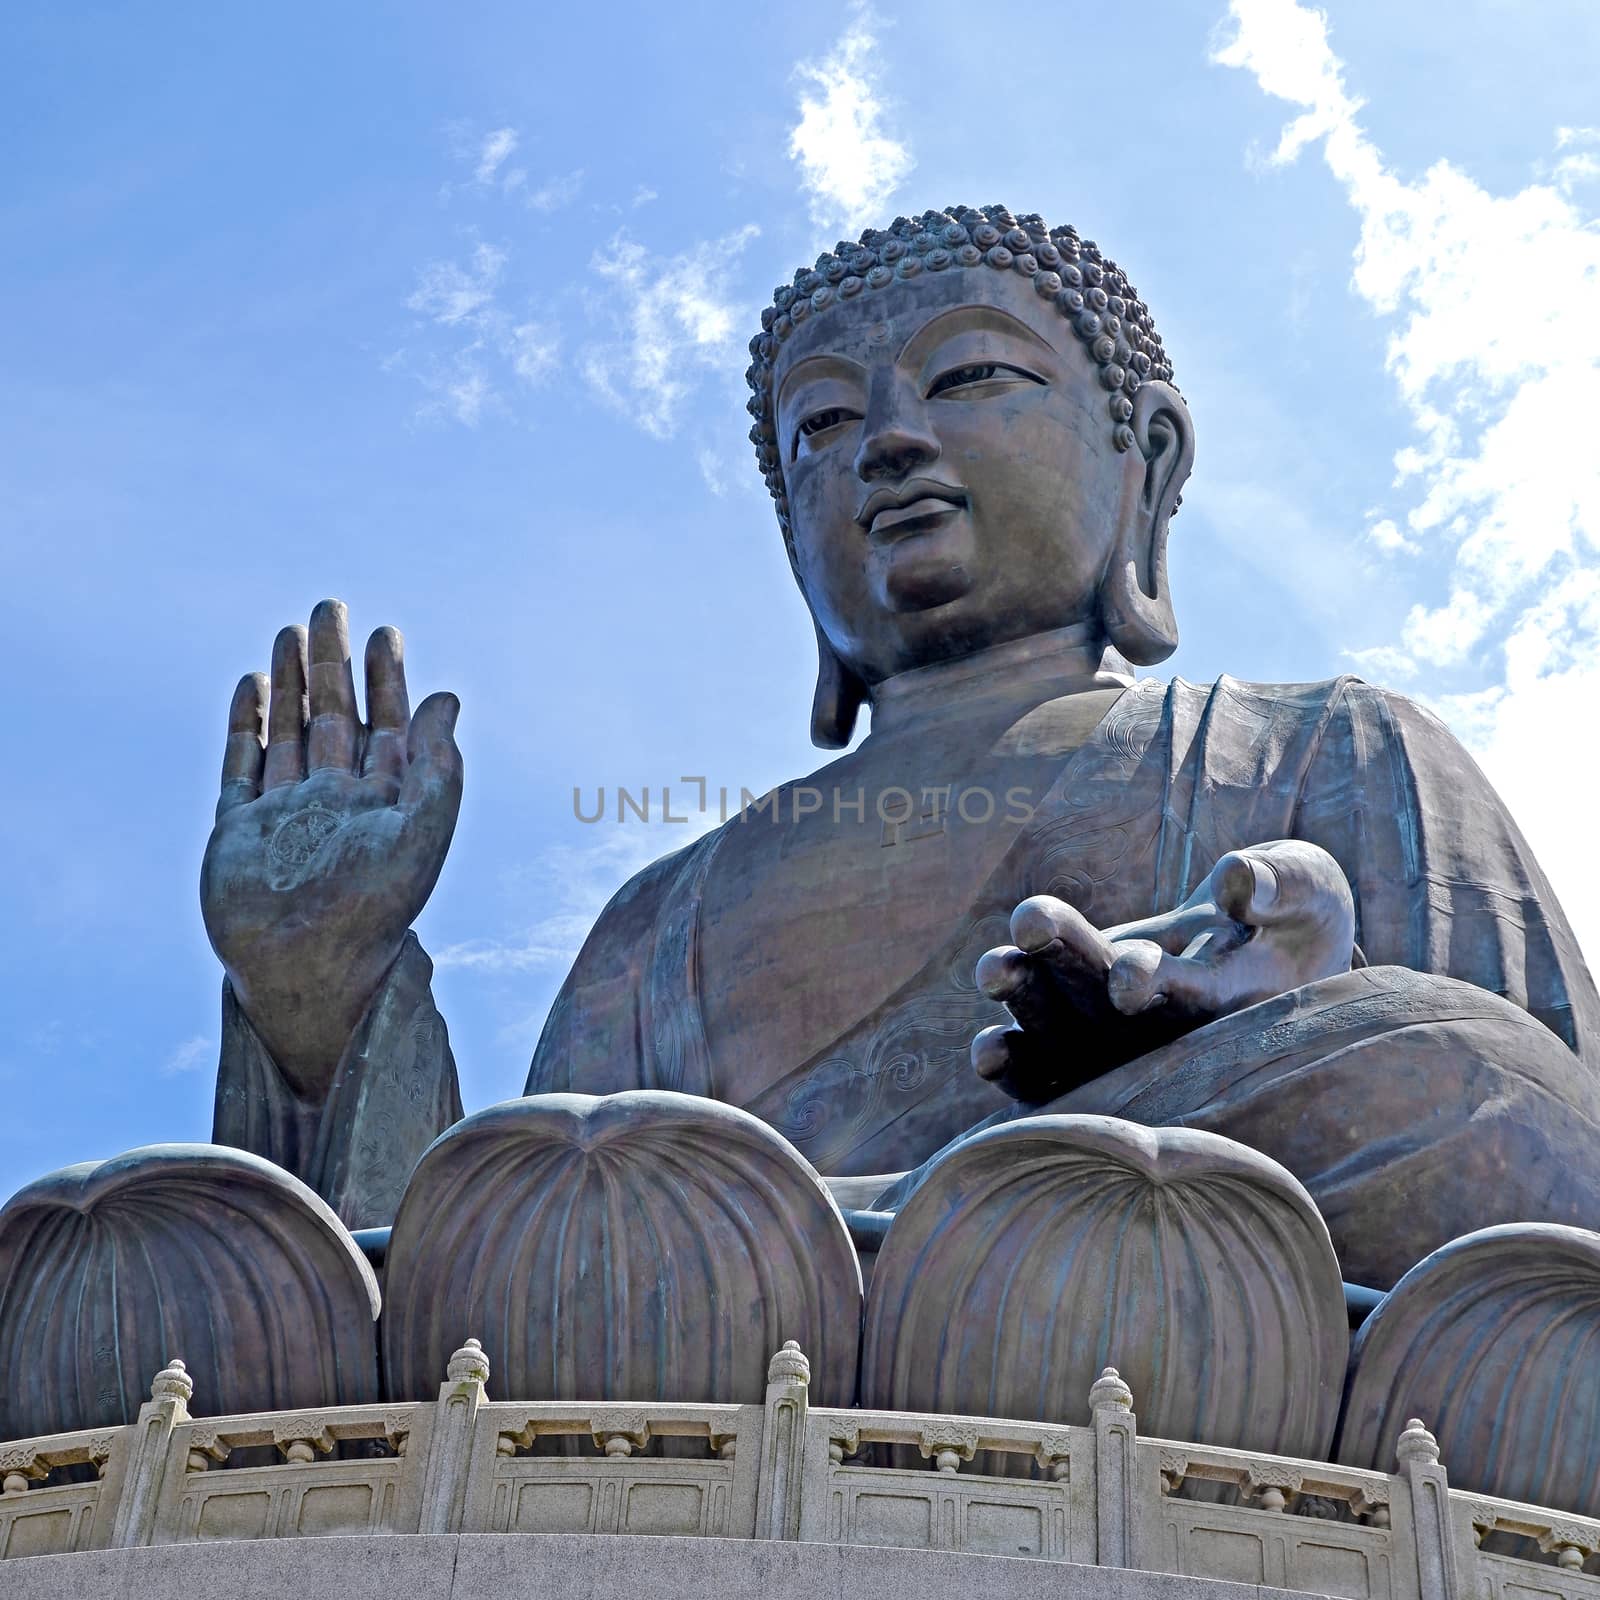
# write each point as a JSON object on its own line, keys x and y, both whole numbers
{"x": 1264, "y": 921}
{"x": 329, "y": 838}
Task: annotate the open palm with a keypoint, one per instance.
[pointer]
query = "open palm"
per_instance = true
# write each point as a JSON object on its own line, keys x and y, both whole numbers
{"x": 330, "y": 835}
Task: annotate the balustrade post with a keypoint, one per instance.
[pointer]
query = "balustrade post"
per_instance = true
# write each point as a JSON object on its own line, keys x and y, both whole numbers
{"x": 444, "y": 1484}
{"x": 149, "y": 1454}
{"x": 783, "y": 1442}
{"x": 1116, "y": 1438}
{"x": 1432, "y": 1530}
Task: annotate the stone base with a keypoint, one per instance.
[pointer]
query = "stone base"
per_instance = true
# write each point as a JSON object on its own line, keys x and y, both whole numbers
{"x": 577, "y": 1567}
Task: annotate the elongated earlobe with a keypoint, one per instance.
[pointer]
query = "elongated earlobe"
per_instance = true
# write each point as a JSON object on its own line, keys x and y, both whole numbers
{"x": 1135, "y": 600}
{"x": 839, "y": 697}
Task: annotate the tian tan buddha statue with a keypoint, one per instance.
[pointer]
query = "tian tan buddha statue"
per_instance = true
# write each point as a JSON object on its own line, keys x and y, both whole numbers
{"x": 1071, "y": 1019}
{"x": 1295, "y": 915}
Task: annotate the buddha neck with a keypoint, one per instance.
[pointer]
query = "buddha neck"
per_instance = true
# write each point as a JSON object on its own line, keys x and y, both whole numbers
{"x": 1019, "y": 675}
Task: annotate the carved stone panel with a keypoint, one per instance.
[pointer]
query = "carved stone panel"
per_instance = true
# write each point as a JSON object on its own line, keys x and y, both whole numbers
{"x": 46, "y": 1522}
{"x": 639, "y": 1246}
{"x": 111, "y": 1268}
{"x": 1494, "y": 1341}
{"x": 1037, "y": 1253}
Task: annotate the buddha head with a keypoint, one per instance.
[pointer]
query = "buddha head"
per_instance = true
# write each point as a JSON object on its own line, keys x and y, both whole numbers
{"x": 968, "y": 426}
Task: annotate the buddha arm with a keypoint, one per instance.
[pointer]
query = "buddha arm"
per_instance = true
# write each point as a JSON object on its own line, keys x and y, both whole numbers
{"x": 1443, "y": 879}
{"x": 392, "y": 1093}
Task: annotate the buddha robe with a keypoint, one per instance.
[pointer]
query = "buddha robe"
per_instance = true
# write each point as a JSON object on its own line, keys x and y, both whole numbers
{"x": 1413, "y": 1109}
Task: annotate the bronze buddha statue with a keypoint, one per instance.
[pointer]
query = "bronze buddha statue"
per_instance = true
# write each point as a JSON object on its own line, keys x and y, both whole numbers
{"x": 1294, "y": 914}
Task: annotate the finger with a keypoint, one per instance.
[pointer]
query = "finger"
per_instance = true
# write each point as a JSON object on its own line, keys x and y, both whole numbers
{"x": 1134, "y": 981}
{"x": 1174, "y": 930}
{"x": 241, "y": 760}
{"x": 1022, "y": 1064}
{"x": 433, "y": 763}
{"x": 1043, "y": 921}
{"x": 1027, "y": 986}
{"x": 1004, "y": 1056}
{"x": 334, "y": 734}
{"x": 1145, "y": 978}
{"x": 1057, "y": 937}
{"x": 388, "y": 707}
{"x": 1294, "y": 878}
{"x": 1009, "y": 1059}
{"x": 1003, "y": 972}
{"x": 286, "y": 719}
{"x": 991, "y": 1051}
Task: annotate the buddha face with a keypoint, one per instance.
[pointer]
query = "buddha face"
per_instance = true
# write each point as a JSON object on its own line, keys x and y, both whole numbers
{"x": 951, "y": 474}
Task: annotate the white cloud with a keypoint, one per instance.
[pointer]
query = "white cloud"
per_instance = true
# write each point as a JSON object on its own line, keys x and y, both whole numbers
{"x": 555, "y": 193}
{"x": 1578, "y": 165}
{"x": 1495, "y": 350}
{"x": 465, "y": 393}
{"x": 643, "y": 195}
{"x": 1389, "y": 538}
{"x": 493, "y": 152}
{"x": 485, "y": 157}
{"x": 711, "y": 471}
{"x": 532, "y": 348}
{"x": 850, "y": 162}
{"x": 450, "y": 293}
{"x": 678, "y": 317}
{"x": 1383, "y": 661}
{"x": 462, "y": 298}
{"x": 193, "y": 1055}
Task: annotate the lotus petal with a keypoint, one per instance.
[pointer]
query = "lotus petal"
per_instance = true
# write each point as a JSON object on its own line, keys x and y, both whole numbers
{"x": 217, "y": 1257}
{"x": 1494, "y": 1341}
{"x": 636, "y": 1246}
{"x": 1037, "y": 1253}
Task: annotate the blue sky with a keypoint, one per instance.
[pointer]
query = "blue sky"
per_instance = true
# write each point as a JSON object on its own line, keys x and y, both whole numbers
{"x": 443, "y": 309}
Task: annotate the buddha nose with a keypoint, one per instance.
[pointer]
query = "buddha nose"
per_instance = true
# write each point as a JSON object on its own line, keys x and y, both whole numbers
{"x": 895, "y": 439}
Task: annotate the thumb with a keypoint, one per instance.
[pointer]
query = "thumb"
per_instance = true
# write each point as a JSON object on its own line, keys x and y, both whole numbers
{"x": 433, "y": 761}
{"x": 1243, "y": 887}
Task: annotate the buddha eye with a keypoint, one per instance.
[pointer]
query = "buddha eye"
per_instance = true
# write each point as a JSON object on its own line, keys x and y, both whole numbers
{"x": 982, "y": 376}
{"x": 821, "y": 421}
{"x": 811, "y": 429}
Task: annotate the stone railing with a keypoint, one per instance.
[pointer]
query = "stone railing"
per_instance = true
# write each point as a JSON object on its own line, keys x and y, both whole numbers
{"x": 1096, "y": 1495}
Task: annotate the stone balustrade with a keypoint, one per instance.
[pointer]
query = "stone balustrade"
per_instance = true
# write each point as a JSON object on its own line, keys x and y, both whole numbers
{"x": 1096, "y": 1495}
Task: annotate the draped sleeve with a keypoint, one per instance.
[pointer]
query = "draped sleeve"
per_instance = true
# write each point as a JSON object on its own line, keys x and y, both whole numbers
{"x": 1444, "y": 880}
{"x": 394, "y": 1091}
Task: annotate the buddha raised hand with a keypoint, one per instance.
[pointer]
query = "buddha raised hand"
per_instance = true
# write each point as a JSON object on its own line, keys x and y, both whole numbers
{"x": 330, "y": 836}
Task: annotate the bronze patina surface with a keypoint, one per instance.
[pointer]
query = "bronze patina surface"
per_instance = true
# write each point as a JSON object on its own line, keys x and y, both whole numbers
{"x": 972, "y": 437}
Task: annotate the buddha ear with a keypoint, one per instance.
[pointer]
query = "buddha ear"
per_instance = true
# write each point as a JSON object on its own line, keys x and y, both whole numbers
{"x": 839, "y": 697}
{"x": 1135, "y": 602}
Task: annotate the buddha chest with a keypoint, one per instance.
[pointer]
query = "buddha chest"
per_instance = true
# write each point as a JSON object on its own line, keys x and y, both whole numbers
{"x": 835, "y": 900}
